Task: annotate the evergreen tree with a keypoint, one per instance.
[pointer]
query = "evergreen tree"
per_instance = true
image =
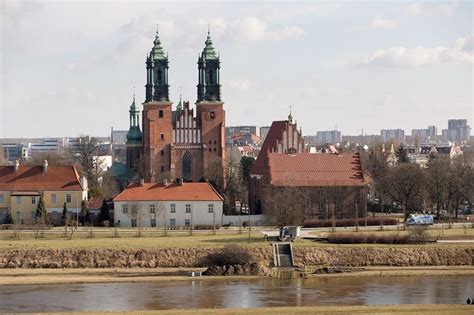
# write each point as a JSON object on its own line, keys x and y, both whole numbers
{"x": 83, "y": 216}
{"x": 8, "y": 218}
{"x": 402, "y": 155}
{"x": 65, "y": 217}
{"x": 104, "y": 212}
{"x": 41, "y": 212}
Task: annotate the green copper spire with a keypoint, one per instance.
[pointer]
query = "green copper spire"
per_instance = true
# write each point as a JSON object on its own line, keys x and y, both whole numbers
{"x": 134, "y": 134}
{"x": 209, "y": 52}
{"x": 157, "y": 51}
{"x": 133, "y": 107}
{"x": 179, "y": 107}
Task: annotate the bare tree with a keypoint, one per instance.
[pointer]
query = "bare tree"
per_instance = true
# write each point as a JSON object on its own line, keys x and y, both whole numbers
{"x": 284, "y": 206}
{"x": 214, "y": 173}
{"x": 407, "y": 182}
{"x": 54, "y": 159}
{"x": 3, "y": 159}
{"x": 136, "y": 213}
{"x": 87, "y": 154}
{"x": 156, "y": 208}
{"x": 437, "y": 181}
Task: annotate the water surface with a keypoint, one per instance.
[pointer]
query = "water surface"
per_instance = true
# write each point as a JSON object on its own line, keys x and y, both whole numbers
{"x": 236, "y": 293}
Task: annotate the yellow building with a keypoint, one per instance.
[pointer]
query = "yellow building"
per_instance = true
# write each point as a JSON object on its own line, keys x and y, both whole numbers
{"x": 22, "y": 185}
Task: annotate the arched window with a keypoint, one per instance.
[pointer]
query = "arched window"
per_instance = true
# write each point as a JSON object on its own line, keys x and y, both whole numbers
{"x": 159, "y": 76}
{"x": 211, "y": 77}
{"x": 187, "y": 165}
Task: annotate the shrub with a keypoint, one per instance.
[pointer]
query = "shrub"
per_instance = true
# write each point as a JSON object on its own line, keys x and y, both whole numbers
{"x": 358, "y": 238}
{"x": 371, "y": 221}
{"x": 228, "y": 255}
{"x": 205, "y": 226}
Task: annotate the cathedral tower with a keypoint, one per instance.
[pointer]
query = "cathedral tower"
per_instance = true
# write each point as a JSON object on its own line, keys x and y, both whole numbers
{"x": 157, "y": 88}
{"x": 157, "y": 114}
{"x": 208, "y": 88}
{"x": 210, "y": 111}
{"x": 134, "y": 136}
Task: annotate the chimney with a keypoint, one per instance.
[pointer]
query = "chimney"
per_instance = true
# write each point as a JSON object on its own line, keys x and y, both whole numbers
{"x": 180, "y": 182}
{"x": 165, "y": 182}
{"x": 17, "y": 165}
{"x": 45, "y": 166}
{"x": 142, "y": 182}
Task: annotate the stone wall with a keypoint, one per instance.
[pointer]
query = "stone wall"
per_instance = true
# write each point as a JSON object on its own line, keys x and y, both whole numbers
{"x": 191, "y": 257}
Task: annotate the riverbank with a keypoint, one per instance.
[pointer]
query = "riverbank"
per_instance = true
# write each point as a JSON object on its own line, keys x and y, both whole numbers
{"x": 343, "y": 256}
{"x": 409, "y": 309}
{"x": 74, "y": 276}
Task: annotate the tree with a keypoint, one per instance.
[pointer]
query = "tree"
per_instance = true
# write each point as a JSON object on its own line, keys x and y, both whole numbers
{"x": 84, "y": 216}
{"x": 65, "y": 216}
{"x": 3, "y": 160}
{"x": 437, "y": 181}
{"x": 402, "y": 154}
{"x": 214, "y": 173}
{"x": 284, "y": 207}
{"x": 406, "y": 182}
{"x": 376, "y": 165}
{"x": 246, "y": 164}
{"x": 54, "y": 159}
{"x": 8, "y": 218}
{"x": 104, "y": 212}
{"x": 41, "y": 211}
{"x": 87, "y": 153}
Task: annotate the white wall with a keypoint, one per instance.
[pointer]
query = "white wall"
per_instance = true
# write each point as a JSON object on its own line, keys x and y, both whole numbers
{"x": 236, "y": 220}
{"x": 199, "y": 213}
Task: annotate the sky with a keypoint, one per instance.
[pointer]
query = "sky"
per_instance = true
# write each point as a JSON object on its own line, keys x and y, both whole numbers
{"x": 70, "y": 67}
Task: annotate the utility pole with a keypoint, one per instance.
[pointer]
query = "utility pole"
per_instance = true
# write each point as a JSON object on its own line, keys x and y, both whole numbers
{"x": 250, "y": 223}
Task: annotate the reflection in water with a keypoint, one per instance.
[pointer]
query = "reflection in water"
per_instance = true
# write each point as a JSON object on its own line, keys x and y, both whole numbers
{"x": 236, "y": 293}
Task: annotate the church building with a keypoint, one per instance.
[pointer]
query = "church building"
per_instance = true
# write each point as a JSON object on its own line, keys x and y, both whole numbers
{"x": 181, "y": 141}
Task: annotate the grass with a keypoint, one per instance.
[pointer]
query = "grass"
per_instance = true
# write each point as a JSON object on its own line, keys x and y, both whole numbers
{"x": 444, "y": 234}
{"x": 128, "y": 240}
{"x": 333, "y": 310}
{"x": 133, "y": 242}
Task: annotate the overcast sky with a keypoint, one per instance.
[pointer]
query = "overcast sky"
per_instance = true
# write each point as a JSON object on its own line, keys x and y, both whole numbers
{"x": 69, "y": 68}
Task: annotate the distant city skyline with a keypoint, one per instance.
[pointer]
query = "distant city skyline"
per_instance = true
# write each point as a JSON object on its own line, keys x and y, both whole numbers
{"x": 70, "y": 68}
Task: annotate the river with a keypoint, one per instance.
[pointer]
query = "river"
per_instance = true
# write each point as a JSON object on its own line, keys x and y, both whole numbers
{"x": 236, "y": 293}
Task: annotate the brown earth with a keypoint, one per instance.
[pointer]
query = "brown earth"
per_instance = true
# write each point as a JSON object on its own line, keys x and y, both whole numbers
{"x": 192, "y": 257}
{"x": 252, "y": 269}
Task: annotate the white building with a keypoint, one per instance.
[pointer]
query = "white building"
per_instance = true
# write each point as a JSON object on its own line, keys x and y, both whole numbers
{"x": 168, "y": 205}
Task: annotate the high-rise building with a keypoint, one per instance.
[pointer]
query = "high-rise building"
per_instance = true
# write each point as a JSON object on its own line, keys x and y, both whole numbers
{"x": 178, "y": 143}
{"x": 458, "y": 130}
{"x": 331, "y": 136}
{"x": 397, "y": 135}
{"x": 264, "y": 132}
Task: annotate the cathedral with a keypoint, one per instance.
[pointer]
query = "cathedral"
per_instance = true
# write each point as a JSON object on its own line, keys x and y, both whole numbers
{"x": 181, "y": 142}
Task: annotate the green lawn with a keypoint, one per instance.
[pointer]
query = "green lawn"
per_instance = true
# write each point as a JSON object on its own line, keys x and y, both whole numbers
{"x": 182, "y": 241}
{"x": 442, "y": 234}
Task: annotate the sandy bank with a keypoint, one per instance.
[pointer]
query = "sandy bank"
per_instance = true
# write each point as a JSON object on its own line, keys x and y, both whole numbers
{"x": 62, "y": 276}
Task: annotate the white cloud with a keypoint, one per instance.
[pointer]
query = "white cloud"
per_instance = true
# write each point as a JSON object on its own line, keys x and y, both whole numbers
{"x": 257, "y": 29}
{"x": 433, "y": 8}
{"x": 461, "y": 51}
{"x": 239, "y": 84}
{"x": 382, "y": 23}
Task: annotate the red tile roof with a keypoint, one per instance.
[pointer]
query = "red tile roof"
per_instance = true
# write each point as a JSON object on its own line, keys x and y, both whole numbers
{"x": 274, "y": 135}
{"x": 31, "y": 178}
{"x": 172, "y": 192}
{"x": 315, "y": 169}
